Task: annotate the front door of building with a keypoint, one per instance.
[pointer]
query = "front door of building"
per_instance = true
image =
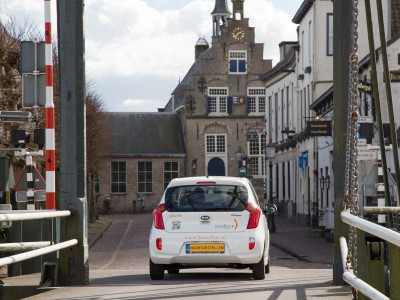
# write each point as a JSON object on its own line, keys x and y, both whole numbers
{"x": 216, "y": 167}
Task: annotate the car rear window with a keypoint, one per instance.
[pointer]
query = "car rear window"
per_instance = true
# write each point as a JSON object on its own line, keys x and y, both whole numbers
{"x": 206, "y": 198}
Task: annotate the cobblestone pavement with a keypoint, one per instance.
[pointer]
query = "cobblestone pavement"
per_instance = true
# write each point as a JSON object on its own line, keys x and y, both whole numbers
{"x": 124, "y": 244}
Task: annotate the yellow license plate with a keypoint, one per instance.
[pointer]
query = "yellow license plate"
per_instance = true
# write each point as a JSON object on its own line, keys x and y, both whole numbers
{"x": 205, "y": 248}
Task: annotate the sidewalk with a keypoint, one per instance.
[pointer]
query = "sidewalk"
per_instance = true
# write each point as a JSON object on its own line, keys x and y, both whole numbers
{"x": 96, "y": 230}
{"x": 301, "y": 242}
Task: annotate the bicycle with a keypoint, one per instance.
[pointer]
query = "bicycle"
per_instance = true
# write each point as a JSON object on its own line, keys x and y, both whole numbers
{"x": 140, "y": 202}
{"x": 107, "y": 205}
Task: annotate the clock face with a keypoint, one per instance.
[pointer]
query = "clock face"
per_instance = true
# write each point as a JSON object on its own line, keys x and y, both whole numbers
{"x": 238, "y": 33}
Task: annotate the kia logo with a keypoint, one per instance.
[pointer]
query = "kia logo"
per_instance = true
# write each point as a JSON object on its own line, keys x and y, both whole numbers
{"x": 205, "y": 218}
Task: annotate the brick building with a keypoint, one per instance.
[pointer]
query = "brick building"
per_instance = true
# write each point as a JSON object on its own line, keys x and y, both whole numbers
{"x": 146, "y": 152}
{"x": 221, "y": 100}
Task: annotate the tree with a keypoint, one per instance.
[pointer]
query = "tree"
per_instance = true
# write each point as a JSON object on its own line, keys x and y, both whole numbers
{"x": 97, "y": 146}
{"x": 11, "y": 34}
{"x": 11, "y": 99}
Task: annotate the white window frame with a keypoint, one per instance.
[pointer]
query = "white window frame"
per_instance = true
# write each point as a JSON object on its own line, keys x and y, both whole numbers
{"x": 219, "y": 95}
{"x": 258, "y": 95}
{"x": 257, "y": 156}
{"x": 211, "y": 143}
{"x": 237, "y": 55}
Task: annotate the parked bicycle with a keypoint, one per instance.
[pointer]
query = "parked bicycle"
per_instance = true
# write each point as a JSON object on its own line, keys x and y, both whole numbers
{"x": 107, "y": 205}
{"x": 140, "y": 203}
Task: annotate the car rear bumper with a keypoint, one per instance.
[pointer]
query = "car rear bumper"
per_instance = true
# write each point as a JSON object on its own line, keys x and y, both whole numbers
{"x": 236, "y": 248}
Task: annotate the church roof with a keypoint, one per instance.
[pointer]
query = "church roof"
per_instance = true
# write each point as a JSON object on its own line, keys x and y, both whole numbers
{"x": 146, "y": 135}
{"x": 187, "y": 81}
{"x": 221, "y": 8}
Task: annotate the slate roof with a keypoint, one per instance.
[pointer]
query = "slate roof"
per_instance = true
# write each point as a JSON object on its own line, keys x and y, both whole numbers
{"x": 146, "y": 135}
{"x": 187, "y": 81}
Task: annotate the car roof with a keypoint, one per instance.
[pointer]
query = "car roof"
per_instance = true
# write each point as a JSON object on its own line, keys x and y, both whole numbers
{"x": 203, "y": 180}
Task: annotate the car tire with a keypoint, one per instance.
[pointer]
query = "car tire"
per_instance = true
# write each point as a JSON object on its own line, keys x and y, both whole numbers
{"x": 259, "y": 270}
{"x": 173, "y": 271}
{"x": 156, "y": 271}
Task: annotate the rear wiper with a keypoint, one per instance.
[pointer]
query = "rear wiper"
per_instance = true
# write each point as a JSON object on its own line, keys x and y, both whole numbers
{"x": 188, "y": 195}
{"x": 234, "y": 197}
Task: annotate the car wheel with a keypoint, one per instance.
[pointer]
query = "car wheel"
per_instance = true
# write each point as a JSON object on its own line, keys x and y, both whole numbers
{"x": 259, "y": 270}
{"x": 156, "y": 271}
{"x": 173, "y": 271}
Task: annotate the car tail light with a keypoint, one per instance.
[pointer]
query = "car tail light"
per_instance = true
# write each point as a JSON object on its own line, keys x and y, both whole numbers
{"x": 252, "y": 243}
{"x": 157, "y": 216}
{"x": 159, "y": 244}
{"x": 255, "y": 213}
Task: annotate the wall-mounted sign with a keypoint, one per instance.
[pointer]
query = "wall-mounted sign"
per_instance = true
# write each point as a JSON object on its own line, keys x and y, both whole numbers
{"x": 395, "y": 76}
{"x": 364, "y": 86}
{"x": 319, "y": 128}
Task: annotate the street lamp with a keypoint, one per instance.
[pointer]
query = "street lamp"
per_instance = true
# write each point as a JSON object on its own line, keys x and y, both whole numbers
{"x": 327, "y": 182}
{"x": 322, "y": 182}
{"x": 270, "y": 154}
{"x": 242, "y": 163}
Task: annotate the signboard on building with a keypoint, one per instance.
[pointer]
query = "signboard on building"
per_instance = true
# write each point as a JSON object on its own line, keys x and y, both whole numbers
{"x": 395, "y": 76}
{"x": 365, "y": 87}
{"x": 319, "y": 128}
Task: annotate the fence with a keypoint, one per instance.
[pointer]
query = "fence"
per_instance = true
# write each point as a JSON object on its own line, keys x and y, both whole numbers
{"x": 379, "y": 231}
{"x": 36, "y": 248}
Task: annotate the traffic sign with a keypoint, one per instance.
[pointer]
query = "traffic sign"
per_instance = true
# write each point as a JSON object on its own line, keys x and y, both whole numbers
{"x": 32, "y": 57}
{"x": 33, "y": 90}
{"x": 21, "y": 186}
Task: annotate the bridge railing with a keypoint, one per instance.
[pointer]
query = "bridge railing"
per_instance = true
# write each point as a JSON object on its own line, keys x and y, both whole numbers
{"x": 39, "y": 248}
{"x": 384, "y": 233}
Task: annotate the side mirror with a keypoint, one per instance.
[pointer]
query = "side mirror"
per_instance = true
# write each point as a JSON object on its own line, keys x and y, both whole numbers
{"x": 270, "y": 208}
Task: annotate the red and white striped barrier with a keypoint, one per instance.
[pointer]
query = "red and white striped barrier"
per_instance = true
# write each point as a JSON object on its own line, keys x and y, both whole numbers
{"x": 50, "y": 123}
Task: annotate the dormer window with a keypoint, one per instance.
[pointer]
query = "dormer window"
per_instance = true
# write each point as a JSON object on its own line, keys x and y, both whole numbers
{"x": 237, "y": 62}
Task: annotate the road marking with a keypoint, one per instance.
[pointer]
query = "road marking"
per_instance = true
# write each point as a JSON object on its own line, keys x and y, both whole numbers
{"x": 116, "y": 251}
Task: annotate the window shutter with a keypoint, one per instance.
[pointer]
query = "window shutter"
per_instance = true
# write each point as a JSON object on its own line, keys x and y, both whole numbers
{"x": 247, "y": 105}
{"x": 233, "y": 66}
{"x": 208, "y": 104}
{"x": 230, "y": 101}
{"x": 242, "y": 66}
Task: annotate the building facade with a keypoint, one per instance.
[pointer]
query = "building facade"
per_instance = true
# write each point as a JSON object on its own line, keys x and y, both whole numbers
{"x": 299, "y": 93}
{"x": 146, "y": 153}
{"x": 222, "y": 100}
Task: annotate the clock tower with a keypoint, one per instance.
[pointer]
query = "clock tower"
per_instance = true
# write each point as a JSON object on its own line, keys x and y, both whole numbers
{"x": 237, "y": 9}
{"x": 220, "y": 16}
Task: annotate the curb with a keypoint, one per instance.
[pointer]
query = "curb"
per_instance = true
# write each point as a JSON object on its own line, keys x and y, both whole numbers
{"x": 291, "y": 253}
{"x": 100, "y": 234}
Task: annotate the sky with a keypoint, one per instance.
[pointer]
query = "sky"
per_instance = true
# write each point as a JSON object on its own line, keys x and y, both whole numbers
{"x": 136, "y": 51}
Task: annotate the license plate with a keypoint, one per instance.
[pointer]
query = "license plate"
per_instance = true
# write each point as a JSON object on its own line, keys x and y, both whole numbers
{"x": 205, "y": 248}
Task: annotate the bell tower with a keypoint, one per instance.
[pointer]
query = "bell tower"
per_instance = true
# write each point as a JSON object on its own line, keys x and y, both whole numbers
{"x": 238, "y": 12}
{"x": 220, "y": 16}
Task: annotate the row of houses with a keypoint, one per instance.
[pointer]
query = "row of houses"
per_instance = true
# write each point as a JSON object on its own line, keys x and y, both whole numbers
{"x": 232, "y": 103}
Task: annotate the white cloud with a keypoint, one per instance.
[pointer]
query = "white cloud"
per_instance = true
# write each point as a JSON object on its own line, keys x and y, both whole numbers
{"x": 131, "y": 41}
{"x": 132, "y": 103}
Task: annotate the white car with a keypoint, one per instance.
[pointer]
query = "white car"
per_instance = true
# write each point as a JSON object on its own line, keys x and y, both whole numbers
{"x": 209, "y": 222}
